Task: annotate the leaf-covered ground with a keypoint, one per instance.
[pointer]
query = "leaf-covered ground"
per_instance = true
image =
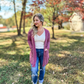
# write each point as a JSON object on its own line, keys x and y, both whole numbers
{"x": 66, "y": 62}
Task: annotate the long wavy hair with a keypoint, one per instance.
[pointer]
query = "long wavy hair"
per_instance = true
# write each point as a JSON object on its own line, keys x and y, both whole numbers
{"x": 40, "y": 16}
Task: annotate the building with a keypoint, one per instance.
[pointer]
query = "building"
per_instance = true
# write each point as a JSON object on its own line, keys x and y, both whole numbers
{"x": 76, "y": 22}
{"x": 2, "y": 27}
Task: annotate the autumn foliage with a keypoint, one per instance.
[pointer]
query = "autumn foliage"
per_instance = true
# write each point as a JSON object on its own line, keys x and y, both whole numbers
{"x": 75, "y": 5}
{"x": 53, "y": 2}
{"x": 28, "y": 15}
{"x": 36, "y": 4}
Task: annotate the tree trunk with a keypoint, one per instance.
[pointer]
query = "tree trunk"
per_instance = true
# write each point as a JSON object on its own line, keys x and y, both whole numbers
{"x": 53, "y": 26}
{"x": 53, "y": 31}
{"x": 24, "y": 26}
{"x": 60, "y": 24}
{"x": 15, "y": 15}
{"x": 19, "y": 30}
{"x": 24, "y": 6}
{"x": 59, "y": 27}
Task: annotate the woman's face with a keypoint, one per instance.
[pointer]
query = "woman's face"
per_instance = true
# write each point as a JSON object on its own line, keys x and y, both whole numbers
{"x": 37, "y": 22}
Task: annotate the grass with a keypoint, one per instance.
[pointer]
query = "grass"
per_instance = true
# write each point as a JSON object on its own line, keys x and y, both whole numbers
{"x": 66, "y": 62}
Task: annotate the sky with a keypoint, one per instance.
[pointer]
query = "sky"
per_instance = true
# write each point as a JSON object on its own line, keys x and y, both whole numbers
{"x": 6, "y": 5}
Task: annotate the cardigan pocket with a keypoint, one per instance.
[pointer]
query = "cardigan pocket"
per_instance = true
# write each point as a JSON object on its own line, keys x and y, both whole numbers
{"x": 46, "y": 57}
{"x": 47, "y": 53}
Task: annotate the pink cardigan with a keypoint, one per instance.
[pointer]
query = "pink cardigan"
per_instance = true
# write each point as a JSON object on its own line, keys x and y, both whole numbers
{"x": 31, "y": 43}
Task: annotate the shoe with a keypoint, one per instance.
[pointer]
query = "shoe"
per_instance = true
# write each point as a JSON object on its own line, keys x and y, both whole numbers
{"x": 40, "y": 83}
{"x": 33, "y": 82}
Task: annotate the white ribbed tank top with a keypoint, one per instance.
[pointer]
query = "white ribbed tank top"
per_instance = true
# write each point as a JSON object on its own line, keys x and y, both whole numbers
{"x": 39, "y": 41}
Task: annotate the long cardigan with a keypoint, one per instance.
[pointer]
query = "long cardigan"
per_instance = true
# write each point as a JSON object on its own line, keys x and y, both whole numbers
{"x": 33, "y": 55}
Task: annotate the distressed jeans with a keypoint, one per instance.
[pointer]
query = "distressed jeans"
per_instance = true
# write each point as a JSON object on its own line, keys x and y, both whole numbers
{"x": 34, "y": 70}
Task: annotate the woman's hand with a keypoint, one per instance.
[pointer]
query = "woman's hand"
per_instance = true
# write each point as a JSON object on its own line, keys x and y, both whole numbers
{"x": 46, "y": 49}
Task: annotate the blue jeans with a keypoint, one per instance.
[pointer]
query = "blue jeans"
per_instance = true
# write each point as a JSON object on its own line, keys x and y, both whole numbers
{"x": 34, "y": 70}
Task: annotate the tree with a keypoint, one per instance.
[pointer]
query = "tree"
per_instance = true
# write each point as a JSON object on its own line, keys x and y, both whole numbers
{"x": 47, "y": 13}
{"x": 24, "y": 6}
{"x": 57, "y": 8}
{"x": 22, "y": 13}
{"x": 15, "y": 17}
{"x": 0, "y": 7}
{"x": 34, "y": 8}
{"x": 75, "y": 5}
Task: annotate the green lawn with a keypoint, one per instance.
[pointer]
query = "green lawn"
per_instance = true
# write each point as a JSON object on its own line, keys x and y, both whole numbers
{"x": 66, "y": 62}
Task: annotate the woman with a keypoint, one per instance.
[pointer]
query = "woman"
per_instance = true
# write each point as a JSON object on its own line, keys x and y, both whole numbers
{"x": 39, "y": 43}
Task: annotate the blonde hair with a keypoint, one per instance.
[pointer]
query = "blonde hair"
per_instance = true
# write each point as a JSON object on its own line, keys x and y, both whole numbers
{"x": 40, "y": 16}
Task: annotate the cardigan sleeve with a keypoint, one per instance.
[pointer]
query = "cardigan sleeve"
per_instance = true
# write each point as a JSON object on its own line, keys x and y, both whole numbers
{"x": 48, "y": 41}
{"x": 29, "y": 39}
